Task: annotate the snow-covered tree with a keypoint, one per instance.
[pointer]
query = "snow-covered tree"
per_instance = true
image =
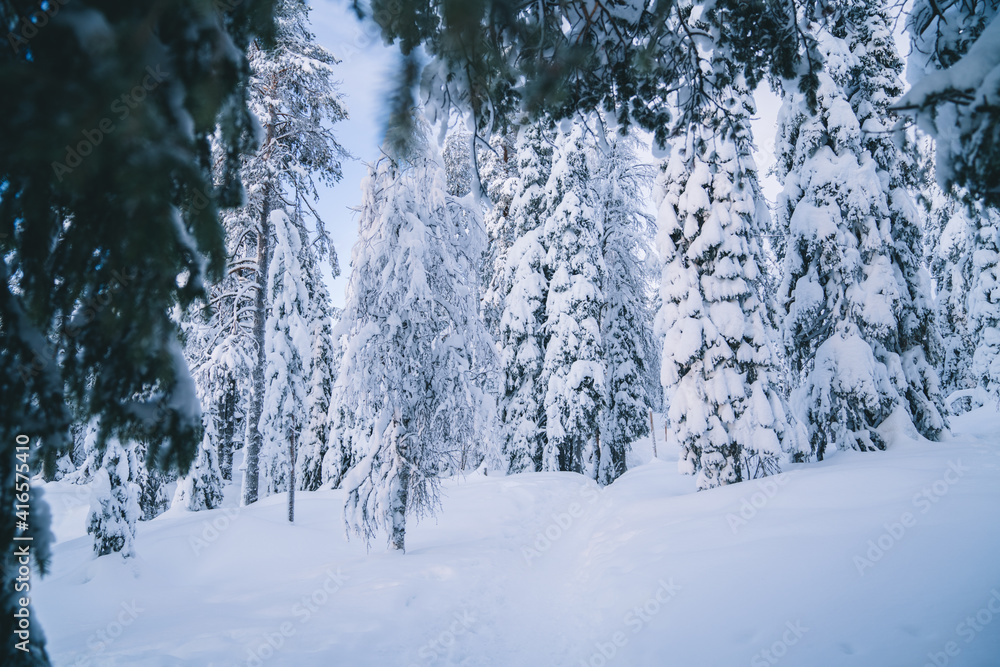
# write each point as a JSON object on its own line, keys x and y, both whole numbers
{"x": 621, "y": 188}
{"x": 288, "y": 353}
{"x": 152, "y": 481}
{"x": 720, "y": 365}
{"x": 293, "y": 95}
{"x": 953, "y": 68}
{"x": 984, "y": 302}
{"x": 950, "y": 256}
{"x": 572, "y": 370}
{"x": 325, "y": 364}
{"x": 201, "y": 488}
{"x": 517, "y": 293}
{"x": 858, "y": 327}
{"x": 114, "y": 501}
{"x": 411, "y": 319}
{"x": 501, "y": 182}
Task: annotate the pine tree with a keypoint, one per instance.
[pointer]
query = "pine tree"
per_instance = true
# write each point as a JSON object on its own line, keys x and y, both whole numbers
{"x": 293, "y": 94}
{"x": 114, "y": 501}
{"x": 411, "y": 319}
{"x": 516, "y": 295}
{"x": 858, "y": 327}
{"x": 629, "y": 352}
{"x": 572, "y": 371}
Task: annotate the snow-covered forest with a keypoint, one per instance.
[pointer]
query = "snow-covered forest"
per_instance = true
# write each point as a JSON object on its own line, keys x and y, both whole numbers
{"x": 591, "y": 396}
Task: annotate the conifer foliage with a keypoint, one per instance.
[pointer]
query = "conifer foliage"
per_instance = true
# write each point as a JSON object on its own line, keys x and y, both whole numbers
{"x": 412, "y": 321}
{"x": 517, "y": 292}
{"x": 719, "y": 365}
{"x": 858, "y": 326}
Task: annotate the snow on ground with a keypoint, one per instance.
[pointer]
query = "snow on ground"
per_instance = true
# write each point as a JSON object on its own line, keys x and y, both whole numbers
{"x": 877, "y": 559}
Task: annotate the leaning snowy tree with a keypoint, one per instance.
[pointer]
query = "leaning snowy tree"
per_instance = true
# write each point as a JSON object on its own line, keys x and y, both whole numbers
{"x": 412, "y": 322}
{"x": 858, "y": 329}
{"x": 293, "y": 95}
{"x": 87, "y": 196}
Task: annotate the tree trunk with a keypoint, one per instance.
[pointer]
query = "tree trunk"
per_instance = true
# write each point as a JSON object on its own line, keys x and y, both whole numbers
{"x": 399, "y": 505}
{"x": 228, "y": 417}
{"x": 252, "y": 461}
{"x": 291, "y": 478}
{"x": 652, "y": 432}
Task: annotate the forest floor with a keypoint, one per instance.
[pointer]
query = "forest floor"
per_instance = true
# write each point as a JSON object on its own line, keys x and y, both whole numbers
{"x": 879, "y": 559}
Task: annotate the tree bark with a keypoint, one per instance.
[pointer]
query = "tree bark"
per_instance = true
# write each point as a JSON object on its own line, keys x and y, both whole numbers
{"x": 291, "y": 478}
{"x": 252, "y": 461}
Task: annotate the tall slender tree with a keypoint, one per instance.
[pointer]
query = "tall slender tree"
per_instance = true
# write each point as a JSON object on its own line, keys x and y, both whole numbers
{"x": 293, "y": 95}
{"x": 516, "y": 296}
{"x": 412, "y": 320}
{"x": 572, "y": 374}
{"x": 621, "y": 188}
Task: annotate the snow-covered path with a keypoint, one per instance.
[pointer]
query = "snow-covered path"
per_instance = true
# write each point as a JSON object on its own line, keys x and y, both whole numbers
{"x": 879, "y": 560}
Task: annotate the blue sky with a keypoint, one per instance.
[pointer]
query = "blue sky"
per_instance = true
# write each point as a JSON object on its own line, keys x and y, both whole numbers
{"x": 366, "y": 65}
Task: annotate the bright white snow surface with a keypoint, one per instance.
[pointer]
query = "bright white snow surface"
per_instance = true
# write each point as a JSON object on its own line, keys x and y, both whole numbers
{"x": 877, "y": 559}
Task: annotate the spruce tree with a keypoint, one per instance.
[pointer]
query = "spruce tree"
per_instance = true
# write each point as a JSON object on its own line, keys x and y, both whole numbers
{"x": 516, "y": 296}
{"x": 720, "y": 364}
{"x": 630, "y": 355}
{"x": 572, "y": 370}
{"x": 325, "y": 364}
{"x": 201, "y": 488}
{"x": 953, "y": 235}
{"x": 412, "y": 320}
{"x": 858, "y": 327}
{"x": 114, "y": 501}
{"x": 288, "y": 354}
{"x": 984, "y": 302}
